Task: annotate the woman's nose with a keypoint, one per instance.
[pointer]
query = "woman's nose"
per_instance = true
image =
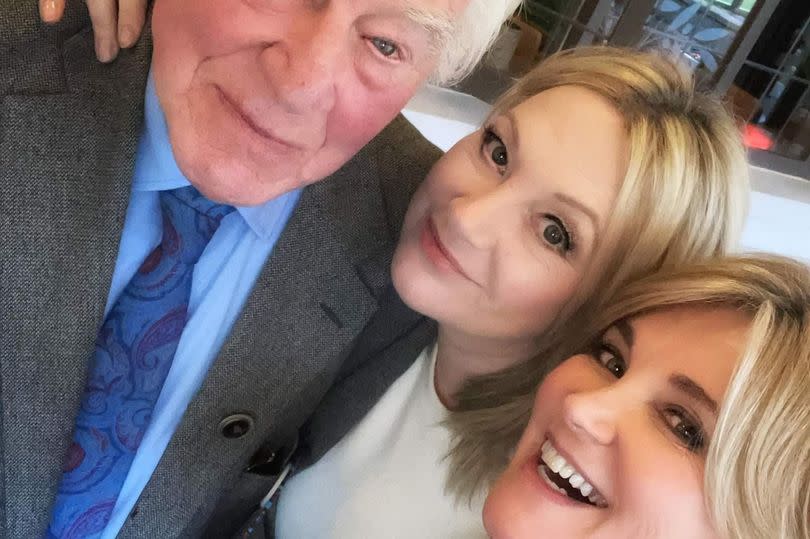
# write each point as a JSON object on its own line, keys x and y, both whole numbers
{"x": 478, "y": 218}
{"x": 592, "y": 414}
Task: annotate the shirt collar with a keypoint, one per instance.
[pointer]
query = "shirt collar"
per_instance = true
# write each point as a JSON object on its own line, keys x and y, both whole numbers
{"x": 157, "y": 170}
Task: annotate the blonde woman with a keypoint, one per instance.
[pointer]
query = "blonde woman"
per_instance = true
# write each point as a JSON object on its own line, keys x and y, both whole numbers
{"x": 685, "y": 413}
{"x": 597, "y": 167}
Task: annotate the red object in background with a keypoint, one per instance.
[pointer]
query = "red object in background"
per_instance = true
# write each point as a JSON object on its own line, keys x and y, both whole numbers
{"x": 757, "y": 138}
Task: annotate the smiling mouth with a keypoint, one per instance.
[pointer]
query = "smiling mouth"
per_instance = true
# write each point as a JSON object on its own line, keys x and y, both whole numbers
{"x": 437, "y": 241}
{"x": 248, "y": 121}
{"x": 564, "y": 478}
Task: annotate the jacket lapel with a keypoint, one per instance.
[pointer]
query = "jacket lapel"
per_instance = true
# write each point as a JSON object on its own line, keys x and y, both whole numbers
{"x": 312, "y": 299}
{"x": 66, "y": 160}
{"x": 381, "y": 355}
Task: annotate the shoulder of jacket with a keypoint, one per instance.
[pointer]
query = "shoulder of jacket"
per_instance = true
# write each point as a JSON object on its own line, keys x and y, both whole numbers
{"x": 403, "y": 157}
{"x": 401, "y": 144}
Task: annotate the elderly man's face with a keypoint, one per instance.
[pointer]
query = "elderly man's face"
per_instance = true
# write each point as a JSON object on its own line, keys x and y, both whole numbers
{"x": 264, "y": 96}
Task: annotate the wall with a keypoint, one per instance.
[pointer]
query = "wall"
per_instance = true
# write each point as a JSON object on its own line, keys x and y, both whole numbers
{"x": 779, "y": 218}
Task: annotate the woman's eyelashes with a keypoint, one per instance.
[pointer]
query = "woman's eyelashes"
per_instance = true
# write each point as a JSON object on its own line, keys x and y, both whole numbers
{"x": 555, "y": 234}
{"x": 551, "y": 229}
{"x": 687, "y": 430}
{"x": 609, "y": 357}
{"x": 494, "y": 150}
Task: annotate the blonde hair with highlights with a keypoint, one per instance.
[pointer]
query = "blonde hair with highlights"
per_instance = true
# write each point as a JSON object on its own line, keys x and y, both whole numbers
{"x": 683, "y": 198}
{"x": 758, "y": 470}
{"x": 757, "y": 480}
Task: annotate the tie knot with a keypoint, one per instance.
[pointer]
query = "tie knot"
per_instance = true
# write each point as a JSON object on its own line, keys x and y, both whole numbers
{"x": 192, "y": 198}
{"x": 191, "y": 217}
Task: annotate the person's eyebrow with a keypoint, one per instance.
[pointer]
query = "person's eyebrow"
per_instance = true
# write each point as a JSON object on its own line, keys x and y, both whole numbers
{"x": 582, "y": 208}
{"x": 513, "y": 130}
{"x": 691, "y": 389}
{"x": 565, "y": 199}
{"x": 626, "y": 331}
{"x": 438, "y": 24}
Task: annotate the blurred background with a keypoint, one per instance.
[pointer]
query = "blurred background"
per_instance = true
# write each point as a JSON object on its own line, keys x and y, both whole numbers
{"x": 754, "y": 52}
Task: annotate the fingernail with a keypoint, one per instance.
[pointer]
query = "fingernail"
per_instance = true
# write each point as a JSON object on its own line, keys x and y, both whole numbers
{"x": 126, "y": 37}
{"x": 112, "y": 50}
{"x": 48, "y": 11}
{"x": 106, "y": 51}
{"x": 101, "y": 52}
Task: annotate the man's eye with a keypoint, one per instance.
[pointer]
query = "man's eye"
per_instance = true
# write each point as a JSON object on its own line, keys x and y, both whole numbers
{"x": 385, "y": 47}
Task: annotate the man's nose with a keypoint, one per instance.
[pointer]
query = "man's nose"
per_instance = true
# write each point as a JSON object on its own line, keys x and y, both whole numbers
{"x": 304, "y": 65}
{"x": 479, "y": 217}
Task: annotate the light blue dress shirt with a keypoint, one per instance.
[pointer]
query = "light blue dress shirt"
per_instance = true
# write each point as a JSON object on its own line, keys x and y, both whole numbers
{"x": 222, "y": 280}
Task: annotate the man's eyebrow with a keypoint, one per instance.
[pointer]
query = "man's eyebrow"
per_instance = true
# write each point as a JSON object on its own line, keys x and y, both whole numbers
{"x": 690, "y": 388}
{"x": 438, "y": 24}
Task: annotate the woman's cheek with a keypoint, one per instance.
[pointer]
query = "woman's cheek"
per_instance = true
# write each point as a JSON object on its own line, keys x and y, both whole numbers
{"x": 508, "y": 513}
{"x": 563, "y": 380}
{"x": 668, "y": 476}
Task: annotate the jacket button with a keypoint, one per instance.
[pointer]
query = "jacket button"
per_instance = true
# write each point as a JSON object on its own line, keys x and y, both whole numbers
{"x": 235, "y": 426}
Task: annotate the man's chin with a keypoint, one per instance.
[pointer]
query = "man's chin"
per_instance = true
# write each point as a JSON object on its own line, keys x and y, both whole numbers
{"x": 245, "y": 193}
{"x": 239, "y": 185}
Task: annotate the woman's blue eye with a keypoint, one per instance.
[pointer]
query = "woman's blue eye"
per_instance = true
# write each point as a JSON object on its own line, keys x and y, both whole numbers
{"x": 386, "y": 48}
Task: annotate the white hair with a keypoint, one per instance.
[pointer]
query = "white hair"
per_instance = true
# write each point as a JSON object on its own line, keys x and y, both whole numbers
{"x": 470, "y": 38}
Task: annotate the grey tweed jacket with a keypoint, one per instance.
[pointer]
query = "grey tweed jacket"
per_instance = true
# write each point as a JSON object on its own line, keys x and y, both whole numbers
{"x": 322, "y": 315}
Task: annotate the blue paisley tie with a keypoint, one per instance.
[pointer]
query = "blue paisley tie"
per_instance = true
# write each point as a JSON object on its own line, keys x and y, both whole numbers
{"x": 134, "y": 351}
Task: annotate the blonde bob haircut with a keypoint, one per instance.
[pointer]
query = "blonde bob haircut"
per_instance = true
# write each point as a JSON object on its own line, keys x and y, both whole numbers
{"x": 757, "y": 474}
{"x": 683, "y": 198}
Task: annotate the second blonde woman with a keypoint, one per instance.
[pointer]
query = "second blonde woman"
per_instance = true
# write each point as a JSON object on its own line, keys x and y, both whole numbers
{"x": 597, "y": 167}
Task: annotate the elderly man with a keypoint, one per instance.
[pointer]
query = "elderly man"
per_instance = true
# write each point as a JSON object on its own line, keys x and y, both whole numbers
{"x": 179, "y": 288}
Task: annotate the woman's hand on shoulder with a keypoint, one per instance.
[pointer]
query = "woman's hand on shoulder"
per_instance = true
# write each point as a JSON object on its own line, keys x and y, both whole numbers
{"x": 117, "y": 24}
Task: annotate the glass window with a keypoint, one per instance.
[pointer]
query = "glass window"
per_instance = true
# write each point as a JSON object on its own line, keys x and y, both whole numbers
{"x": 756, "y": 52}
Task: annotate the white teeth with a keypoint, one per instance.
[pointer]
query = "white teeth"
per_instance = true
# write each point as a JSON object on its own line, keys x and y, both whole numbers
{"x": 597, "y": 500}
{"x": 541, "y": 470}
{"x": 556, "y": 463}
{"x": 586, "y": 489}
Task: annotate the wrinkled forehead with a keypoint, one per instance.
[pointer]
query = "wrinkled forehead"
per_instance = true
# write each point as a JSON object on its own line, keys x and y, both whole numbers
{"x": 436, "y": 17}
